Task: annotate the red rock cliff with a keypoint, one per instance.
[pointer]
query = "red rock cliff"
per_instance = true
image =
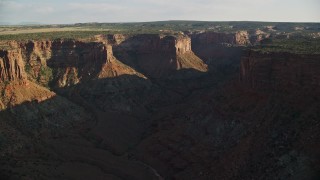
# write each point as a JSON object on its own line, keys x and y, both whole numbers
{"x": 238, "y": 38}
{"x": 280, "y": 71}
{"x": 219, "y": 48}
{"x": 14, "y": 84}
{"x": 11, "y": 65}
{"x": 157, "y": 55}
{"x": 61, "y": 62}
{"x": 67, "y": 62}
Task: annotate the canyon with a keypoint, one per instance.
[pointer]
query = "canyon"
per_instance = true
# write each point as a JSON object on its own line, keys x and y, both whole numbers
{"x": 152, "y": 106}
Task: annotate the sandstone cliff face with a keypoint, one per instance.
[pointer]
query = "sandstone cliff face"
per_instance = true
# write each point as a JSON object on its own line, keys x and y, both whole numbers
{"x": 14, "y": 84}
{"x": 183, "y": 45}
{"x": 242, "y": 38}
{"x": 280, "y": 71}
{"x": 239, "y": 38}
{"x": 112, "y": 67}
{"x": 61, "y": 63}
{"x": 157, "y": 55}
{"x": 219, "y": 50}
{"x": 11, "y": 65}
{"x": 27, "y": 66}
{"x": 75, "y": 61}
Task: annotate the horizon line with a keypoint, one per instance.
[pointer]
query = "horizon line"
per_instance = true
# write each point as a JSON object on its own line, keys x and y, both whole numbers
{"x": 129, "y": 22}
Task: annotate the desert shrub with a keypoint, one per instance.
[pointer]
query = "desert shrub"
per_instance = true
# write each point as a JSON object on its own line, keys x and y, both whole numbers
{"x": 28, "y": 68}
{"x": 45, "y": 75}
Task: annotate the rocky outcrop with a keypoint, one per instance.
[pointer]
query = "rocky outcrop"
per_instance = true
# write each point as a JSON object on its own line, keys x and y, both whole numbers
{"x": 280, "y": 71}
{"x": 257, "y": 36}
{"x": 183, "y": 45}
{"x": 242, "y": 38}
{"x": 112, "y": 67}
{"x": 114, "y": 39}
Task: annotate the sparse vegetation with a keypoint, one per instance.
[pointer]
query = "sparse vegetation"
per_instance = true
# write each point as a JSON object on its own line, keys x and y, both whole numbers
{"x": 45, "y": 75}
{"x": 45, "y": 71}
{"x": 52, "y": 35}
{"x": 292, "y": 45}
{"x": 87, "y": 30}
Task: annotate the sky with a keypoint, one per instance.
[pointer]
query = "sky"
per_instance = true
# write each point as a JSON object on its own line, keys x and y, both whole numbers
{"x": 76, "y": 11}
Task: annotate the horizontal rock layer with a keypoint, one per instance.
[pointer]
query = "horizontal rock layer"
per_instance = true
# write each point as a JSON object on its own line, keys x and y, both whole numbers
{"x": 209, "y": 38}
{"x": 280, "y": 71}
